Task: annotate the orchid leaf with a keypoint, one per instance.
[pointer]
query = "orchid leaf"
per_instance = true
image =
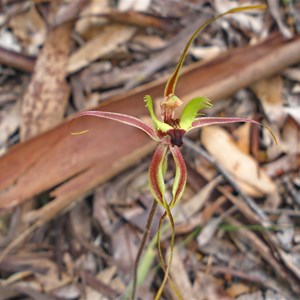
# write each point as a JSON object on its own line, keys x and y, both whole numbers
{"x": 190, "y": 111}
{"x": 156, "y": 174}
{"x": 180, "y": 175}
{"x": 206, "y": 121}
{"x": 171, "y": 84}
{"x": 122, "y": 118}
{"x": 157, "y": 124}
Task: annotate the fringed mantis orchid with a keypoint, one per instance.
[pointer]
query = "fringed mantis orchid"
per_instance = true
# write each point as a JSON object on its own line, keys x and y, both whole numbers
{"x": 168, "y": 133}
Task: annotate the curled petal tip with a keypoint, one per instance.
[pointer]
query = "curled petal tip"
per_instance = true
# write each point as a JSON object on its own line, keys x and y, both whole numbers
{"x": 272, "y": 133}
{"x": 79, "y": 132}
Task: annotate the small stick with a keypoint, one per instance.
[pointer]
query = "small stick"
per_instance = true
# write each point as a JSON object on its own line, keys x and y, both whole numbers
{"x": 17, "y": 60}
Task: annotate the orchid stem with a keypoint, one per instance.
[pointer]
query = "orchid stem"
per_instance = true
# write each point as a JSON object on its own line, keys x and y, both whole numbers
{"x": 161, "y": 259}
{"x": 142, "y": 246}
{"x": 165, "y": 267}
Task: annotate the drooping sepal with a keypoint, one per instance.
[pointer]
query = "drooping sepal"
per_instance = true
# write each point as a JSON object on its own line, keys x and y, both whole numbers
{"x": 171, "y": 83}
{"x": 206, "y": 121}
{"x": 122, "y": 118}
{"x": 156, "y": 174}
{"x": 157, "y": 124}
{"x": 180, "y": 176}
{"x": 190, "y": 111}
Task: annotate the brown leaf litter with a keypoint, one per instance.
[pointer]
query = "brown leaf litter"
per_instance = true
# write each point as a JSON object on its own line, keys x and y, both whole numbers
{"x": 237, "y": 226}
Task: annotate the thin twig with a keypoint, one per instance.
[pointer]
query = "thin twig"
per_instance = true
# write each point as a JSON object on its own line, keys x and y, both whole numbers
{"x": 16, "y": 60}
{"x": 282, "y": 211}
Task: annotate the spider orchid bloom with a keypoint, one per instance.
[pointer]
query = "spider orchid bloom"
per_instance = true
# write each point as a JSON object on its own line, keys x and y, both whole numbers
{"x": 168, "y": 133}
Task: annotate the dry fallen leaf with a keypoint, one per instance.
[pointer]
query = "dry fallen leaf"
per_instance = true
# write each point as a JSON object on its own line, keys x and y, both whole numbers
{"x": 274, "y": 8}
{"x": 208, "y": 287}
{"x": 104, "y": 43}
{"x": 30, "y": 29}
{"x": 294, "y": 112}
{"x": 244, "y": 20}
{"x": 292, "y": 261}
{"x": 244, "y": 168}
{"x": 149, "y": 42}
{"x": 89, "y": 18}
{"x": 272, "y": 295}
{"x": 242, "y": 136}
{"x": 206, "y": 52}
{"x": 292, "y": 73}
{"x": 291, "y": 136}
{"x": 195, "y": 203}
{"x": 237, "y": 289}
{"x": 9, "y": 122}
{"x": 46, "y": 98}
{"x": 124, "y": 247}
{"x": 181, "y": 278}
{"x": 48, "y": 280}
{"x": 252, "y": 296}
{"x": 125, "y": 5}
{"x": 208, "y": 231}
{"x": 105, "y": 276}
{"x": 269, "y": 91}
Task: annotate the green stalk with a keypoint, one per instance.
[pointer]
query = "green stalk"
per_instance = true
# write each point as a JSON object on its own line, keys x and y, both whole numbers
{"x": 161, "y": 259}
{"x": 168, "y": 266}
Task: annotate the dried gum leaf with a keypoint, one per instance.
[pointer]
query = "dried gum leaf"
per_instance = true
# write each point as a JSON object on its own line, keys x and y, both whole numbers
{"x": 30, "y": 29}
{"x": 291, "y": 136}
{"x": 181, "y": 278}
{"x": 125, "y": 5}
{"x": 237, "y": 289}
{"x": 88, "y": 18}
{"x": 46, "y": 98}
{"x": 242, "y": 136}
{"x": 244, "y": 168}
{"x": 107, "y": 41}
{"x": 269, "y": 92}
{"x": 9, "y": 122}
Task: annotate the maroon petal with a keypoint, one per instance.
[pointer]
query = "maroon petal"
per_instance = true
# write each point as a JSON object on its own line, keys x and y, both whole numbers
{"x": 156, "y": 174}
{"x": 122, "y": 118}
{"x": 180, "y": 175}
{"x": 205, "y": 121}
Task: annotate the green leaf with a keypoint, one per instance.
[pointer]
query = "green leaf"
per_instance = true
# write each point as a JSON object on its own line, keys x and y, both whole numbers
{"x": 190, "y": 112}
{"x": 157, "y": 124}
{"x": 171, "y": 83}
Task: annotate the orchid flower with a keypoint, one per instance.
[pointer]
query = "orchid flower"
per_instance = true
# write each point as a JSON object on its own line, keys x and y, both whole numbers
{"x": 168, "y": 132}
